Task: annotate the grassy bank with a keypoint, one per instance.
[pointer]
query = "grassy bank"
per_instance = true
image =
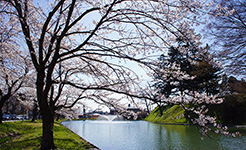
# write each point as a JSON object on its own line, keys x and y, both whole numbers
{"x": 27, "y": 135}
{"x": 231, "y": 112}
{"x": 171, "y": 115}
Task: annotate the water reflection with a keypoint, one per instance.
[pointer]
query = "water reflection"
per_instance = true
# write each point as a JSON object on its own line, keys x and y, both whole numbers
{"x": 141, "y": 135}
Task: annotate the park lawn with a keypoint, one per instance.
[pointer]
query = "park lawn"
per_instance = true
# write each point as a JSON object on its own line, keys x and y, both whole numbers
{"x": 27, "y": 135}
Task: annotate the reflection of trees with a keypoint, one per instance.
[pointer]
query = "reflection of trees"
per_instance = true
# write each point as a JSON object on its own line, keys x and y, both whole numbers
{"x": 182, "y": 137}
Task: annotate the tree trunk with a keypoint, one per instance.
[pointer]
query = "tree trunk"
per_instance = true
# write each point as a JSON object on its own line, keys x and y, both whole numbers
{"x": 2, "y": 101}
{"x": 46, "y": 112}
{"x": 34, "y": 112}
{"x": 58, "y": 117}
{"x": 47, "y": 139}
{"x": 48, "y": 123}
{"x": 1, "y": 111}
{"x": 1, "y": 116}
{"x": 147, "y": 106}
{"x": 161, "y": 109}
{"x": 1, "y": 106}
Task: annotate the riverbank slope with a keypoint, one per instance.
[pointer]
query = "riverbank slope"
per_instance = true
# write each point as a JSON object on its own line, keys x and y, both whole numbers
{"x": 171, "y": 115}
{"x": 232, "y": 112}
{"x": 27, "y": 135}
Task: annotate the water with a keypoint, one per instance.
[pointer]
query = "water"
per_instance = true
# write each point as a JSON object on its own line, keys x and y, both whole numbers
{"x": 141, "y": 135}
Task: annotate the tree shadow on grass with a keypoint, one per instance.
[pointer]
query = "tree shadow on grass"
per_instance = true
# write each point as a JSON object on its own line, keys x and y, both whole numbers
{"x": 33, "y": 143}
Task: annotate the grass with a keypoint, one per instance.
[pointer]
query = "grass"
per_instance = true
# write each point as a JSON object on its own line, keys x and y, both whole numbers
{"x": 172, "y": 115}
{"x": 27, "y": 135}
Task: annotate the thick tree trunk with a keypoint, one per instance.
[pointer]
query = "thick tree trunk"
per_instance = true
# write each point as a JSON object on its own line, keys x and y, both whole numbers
{"x": 46, "y": 112}
{"x": 48, "y": 122}
{"x": 47, "y": 139}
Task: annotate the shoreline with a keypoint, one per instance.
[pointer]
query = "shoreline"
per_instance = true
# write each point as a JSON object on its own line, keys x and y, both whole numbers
{"x": 240, "y": 126}
{"x": 92, "y": 145}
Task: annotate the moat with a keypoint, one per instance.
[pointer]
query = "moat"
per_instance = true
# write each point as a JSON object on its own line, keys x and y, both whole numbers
{"x": 136, "y": 135}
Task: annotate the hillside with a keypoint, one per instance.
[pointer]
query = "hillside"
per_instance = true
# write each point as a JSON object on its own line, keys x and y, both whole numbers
{"x": 171, "y": 114}
{"x": 232, "y": 111}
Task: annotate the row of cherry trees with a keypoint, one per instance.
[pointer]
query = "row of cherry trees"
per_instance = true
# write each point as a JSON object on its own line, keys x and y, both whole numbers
{"x": 14, "y": 63}
{"x": 71, "y": 51}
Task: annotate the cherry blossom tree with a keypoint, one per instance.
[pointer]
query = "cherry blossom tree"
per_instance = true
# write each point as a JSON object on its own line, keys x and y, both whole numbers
{"x": 227, "y": 28}
{"x": 88, "y": 45}
{"x": 29, "y": 96}
{"x": 14, "y": 63}
{"x": 175, "y": 83}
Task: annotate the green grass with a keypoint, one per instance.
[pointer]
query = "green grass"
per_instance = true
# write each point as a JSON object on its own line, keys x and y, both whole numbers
{"x": 27, "y": 135}
{"x": 172, "y": 115}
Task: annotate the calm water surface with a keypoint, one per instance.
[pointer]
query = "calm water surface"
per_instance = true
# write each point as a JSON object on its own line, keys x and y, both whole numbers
{"x": 141, "y": 135}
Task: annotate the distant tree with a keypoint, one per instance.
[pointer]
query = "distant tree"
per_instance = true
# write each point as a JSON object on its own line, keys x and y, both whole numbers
{"x": 16, "y": 104}
{"x": 237, "y": 86}
{"x": 233, "y": 86}
{"x": 207, "y": 77}
{"x": 14, "y": 62}
{"x": 35, "y": 110}
{"x": 170, "y": 81}
{"x": 29, "y": 98}
{"x": 233, "y": 109}
{"x": 228, "y": 29}
{"x": 189, "y": 77}
{"x": 197, "y": 63}
{"x": 173, "y": 74}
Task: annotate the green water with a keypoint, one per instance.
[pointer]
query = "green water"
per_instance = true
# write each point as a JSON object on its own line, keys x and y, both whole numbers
{"x": 142, "y": 135}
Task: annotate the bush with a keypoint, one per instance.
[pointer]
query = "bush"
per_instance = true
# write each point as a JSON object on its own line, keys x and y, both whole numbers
{"x": 232, "y": 110}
